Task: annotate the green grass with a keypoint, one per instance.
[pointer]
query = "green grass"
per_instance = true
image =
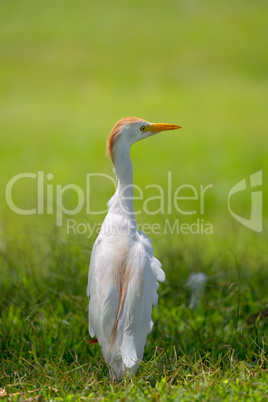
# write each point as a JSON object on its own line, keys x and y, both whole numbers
{"x": 68, "y": 71}
{"x": 218, "y": 351}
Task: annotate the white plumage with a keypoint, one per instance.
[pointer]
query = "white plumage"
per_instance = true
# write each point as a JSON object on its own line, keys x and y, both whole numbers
{"x": 123, "y": 273}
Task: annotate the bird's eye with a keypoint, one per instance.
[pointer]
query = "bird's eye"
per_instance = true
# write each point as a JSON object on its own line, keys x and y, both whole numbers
{"x": 143, "y": 128}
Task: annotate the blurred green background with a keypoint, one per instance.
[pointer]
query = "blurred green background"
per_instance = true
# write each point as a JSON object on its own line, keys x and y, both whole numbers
{"x": 69, "y": 70}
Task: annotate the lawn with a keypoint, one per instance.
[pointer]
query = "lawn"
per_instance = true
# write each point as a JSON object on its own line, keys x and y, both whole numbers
{"x": 68, "y": 72}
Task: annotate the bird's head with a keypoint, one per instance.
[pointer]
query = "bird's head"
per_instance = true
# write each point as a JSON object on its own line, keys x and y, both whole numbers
{"x": 129, "y": 130}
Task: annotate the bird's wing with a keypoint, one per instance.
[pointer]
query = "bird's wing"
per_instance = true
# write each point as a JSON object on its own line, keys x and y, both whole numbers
{"x": 102, "y": 291}
{"x": 135, "y": 320}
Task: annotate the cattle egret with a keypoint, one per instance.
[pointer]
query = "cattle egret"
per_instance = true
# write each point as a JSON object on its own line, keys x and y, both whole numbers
{"x": 123, "y": 273}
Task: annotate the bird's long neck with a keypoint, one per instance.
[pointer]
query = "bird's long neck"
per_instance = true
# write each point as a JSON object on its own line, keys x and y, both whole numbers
{"x": 123, "y": 197}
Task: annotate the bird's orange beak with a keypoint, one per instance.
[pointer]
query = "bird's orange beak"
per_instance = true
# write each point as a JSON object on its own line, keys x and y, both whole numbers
{"x": 158, "y": 127}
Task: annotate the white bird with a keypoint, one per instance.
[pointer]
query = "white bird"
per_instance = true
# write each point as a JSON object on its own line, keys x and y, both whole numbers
{"x": 123, "y": 273}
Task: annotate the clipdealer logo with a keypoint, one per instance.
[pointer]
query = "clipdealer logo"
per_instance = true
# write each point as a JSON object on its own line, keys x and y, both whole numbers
{"x": 255, "y": 220}
{"x": 50, "y": 200}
